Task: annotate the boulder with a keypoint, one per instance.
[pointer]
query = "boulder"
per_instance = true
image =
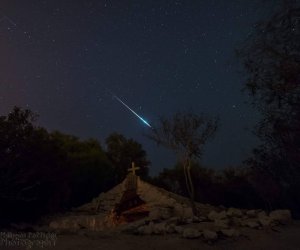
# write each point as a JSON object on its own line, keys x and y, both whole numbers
{"x": 139, "y": 230}
{"x": 194, "y": 219}
{"x": 230, "y": 232}
{"x": 178, "y": 210}
{"x": 145, "y": 230}
{"x": 209, "y": 235}
{"x": 234, "y": 212}
{"x": 168, "y": 202}
{"x": 261, "y": 214}
{"x": 222, "y": 215}
{"x": 281, "y": 216}
{"x": 191, "y": 233}
{"x": 154, "y": 214}
{"x": 178, "y": 229}
{"x": 198, "y": 219}
{"x": 148, "y": 230}
{"x": 159, "y": 228}
{"x": 251, "y": 213}
{"x": 251, "y": 223}
{"x": 224, "y": 223}
{"x": 170, "y": 229}
{"x": 165, "y": 213}
{"x": 265, "y": 221}
{"x": 187, "y": 213}
{"x": 213, "y": 215}
{"x": 236, "y": 221}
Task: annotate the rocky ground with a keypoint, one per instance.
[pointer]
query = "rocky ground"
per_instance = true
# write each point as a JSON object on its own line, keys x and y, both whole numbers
{"x": 284, "y": 238}
{"x": 280, "y": 238}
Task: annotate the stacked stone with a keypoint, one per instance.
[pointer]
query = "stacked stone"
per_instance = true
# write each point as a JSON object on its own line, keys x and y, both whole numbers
{"x": 168, "y": 213}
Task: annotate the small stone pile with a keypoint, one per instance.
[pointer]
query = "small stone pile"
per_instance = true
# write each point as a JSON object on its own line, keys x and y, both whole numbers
{"x": 98, "y": 214}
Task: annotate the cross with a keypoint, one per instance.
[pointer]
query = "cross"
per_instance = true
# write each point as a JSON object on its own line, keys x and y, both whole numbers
{"x": 133, "y": 168}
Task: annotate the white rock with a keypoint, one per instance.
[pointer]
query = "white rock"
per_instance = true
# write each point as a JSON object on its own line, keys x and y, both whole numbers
{"x": 282, "y": 216}
{"x": 209, "y": 235}
{"x": 191, "y": 233}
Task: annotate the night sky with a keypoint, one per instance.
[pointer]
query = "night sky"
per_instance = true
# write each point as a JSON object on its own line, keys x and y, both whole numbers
{"x": 59, "y": 57}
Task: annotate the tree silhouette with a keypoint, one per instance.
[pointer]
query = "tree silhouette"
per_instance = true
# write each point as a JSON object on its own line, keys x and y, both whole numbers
{"x": 271, "y": 57}
{"x": 185, "y": 134}
{"x": 90, "y": 170}
{"x": 32, "y": 174}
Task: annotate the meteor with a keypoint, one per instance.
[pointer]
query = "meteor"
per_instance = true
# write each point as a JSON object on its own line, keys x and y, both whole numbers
{"x": 143, "y": 120}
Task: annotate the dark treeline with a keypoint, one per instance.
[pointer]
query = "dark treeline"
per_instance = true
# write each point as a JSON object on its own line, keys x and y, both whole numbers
{"x": 230, "y": 187}
{"x": 43, "y": 173}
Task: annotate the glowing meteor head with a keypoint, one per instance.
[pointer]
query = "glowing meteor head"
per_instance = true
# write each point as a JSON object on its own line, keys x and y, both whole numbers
{"x": 144, "y": 121}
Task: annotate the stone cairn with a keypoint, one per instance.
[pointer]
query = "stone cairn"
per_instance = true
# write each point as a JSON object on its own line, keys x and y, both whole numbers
{"x": 168, "y": 213}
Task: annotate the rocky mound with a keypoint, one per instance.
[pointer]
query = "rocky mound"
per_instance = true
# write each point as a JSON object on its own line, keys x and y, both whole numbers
{"x": 167, "y": 213}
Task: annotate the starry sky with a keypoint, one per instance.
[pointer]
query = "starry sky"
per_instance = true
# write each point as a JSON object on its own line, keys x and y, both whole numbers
{"x": 59, "y": 57}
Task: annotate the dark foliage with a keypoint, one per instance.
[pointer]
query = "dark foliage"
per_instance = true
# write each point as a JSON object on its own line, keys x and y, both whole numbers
{"x": 90, "y": 170}
{"x": 122, "y": 152}
{"x": 272, "y": 58}
{"x": 33, "y": 177}
{"x": 185, "y": 134}
{"x": 43, "y": 173}
{"x": 231, "y": 187}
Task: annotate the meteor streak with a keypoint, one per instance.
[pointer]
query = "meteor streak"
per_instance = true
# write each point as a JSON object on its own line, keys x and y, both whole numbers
{"x": 143, "y": 120}
{"x": 7, "y": 19}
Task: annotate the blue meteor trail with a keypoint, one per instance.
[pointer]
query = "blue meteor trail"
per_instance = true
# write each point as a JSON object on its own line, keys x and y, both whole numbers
{"x": 143, "y": 120}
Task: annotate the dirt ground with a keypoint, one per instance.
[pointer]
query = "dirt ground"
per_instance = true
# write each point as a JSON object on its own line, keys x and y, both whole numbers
{"x": 285, "y": 238}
